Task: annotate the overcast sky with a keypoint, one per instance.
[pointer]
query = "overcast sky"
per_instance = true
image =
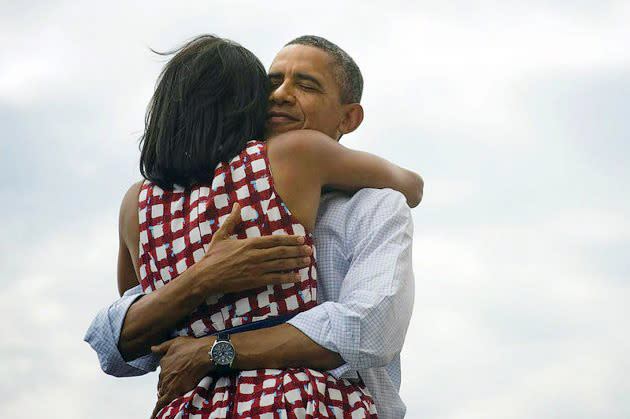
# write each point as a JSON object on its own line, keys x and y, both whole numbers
{"x": 516, "y": 114}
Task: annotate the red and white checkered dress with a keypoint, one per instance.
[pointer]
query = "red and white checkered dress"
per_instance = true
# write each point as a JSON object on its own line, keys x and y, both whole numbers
{"x": 176, "y": 227}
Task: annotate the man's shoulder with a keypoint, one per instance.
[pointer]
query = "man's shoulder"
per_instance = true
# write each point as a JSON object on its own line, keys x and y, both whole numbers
{"x": 386, "y": 195}
{"x": 366, "y": 201}
{"x": 363, "y": 213}
{"x": 347, "y": 220}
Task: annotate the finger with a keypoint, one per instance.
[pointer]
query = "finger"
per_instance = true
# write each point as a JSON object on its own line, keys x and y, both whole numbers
{"x": 285, "y": 264}
{"x": 162, "y": 348}
{"x": 266, "y": 242}
{"x": 158, "y": 406}
{"x": 276, "y": 278}
{"x": 283, "y": 252}
{"x": 163, "y": 400}
{"x": 164, "y": 390}
{"x": 228, "y": 225}
{"x": 162, "y": 384}
{"x": 166, "y": 398}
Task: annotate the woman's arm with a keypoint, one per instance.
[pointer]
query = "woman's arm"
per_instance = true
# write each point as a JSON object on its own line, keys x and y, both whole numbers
{"x": 128, "y": 232}
{"x": 341, "y": 168}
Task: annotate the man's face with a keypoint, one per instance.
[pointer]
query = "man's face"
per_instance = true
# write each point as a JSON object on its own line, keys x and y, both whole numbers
{"x": 304, "y": 92}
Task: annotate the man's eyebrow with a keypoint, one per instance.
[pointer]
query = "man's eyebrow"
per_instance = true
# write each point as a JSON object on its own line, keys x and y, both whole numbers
{"x": 275, "y": 75}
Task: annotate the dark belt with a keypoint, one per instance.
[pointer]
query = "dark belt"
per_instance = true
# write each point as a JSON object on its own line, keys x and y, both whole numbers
{"x": 261, "y": 324}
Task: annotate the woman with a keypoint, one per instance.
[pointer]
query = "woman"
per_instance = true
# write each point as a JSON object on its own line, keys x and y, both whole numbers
{"x": 200, "y": 155}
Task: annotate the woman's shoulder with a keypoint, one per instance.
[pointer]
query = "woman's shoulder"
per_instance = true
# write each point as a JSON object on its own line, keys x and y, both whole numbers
{"x": 129, "y": 206}
{"x": 132, "y": 194}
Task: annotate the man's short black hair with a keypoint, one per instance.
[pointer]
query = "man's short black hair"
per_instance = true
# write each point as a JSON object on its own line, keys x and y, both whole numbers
{"x": 347, "y": 72}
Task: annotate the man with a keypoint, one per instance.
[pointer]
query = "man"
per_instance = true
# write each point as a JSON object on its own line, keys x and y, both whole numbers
{"x": 363, "y": 244}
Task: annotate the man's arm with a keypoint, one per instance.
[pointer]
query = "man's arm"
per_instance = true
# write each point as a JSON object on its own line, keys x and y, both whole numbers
{"x": 366, "y": 326}
{"x": 103, "y": 335}
{"x": 185, "y": 359}
{"x": 368, "y": 323}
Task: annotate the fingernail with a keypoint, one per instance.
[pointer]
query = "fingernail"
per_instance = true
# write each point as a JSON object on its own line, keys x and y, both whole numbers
{"x": 308, "y": 250}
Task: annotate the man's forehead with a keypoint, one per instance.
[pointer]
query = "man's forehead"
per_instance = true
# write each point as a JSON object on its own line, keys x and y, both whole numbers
{"x": 302, "y": 59}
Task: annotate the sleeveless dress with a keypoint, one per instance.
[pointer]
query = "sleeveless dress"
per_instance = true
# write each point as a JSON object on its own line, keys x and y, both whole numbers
{"x": 176, "y": 227}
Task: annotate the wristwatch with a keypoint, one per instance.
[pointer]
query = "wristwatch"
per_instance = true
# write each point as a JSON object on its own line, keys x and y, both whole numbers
{"x": 222, "y": 353}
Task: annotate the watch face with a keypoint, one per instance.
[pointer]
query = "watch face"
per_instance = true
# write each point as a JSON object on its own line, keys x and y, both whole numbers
{"x": 223, "y": 353}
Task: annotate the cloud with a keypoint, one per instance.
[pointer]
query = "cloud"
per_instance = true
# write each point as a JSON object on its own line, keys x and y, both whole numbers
{"x": 507, "y": 316}
{"x": 514, "y": 114}
{"x": 54, "y": 288}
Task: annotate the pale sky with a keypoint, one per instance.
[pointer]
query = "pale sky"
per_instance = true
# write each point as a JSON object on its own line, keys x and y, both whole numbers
{"x": 515, "y": 113}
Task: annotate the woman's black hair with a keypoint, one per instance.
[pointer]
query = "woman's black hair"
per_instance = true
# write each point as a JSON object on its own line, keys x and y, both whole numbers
{"x": 210, "y": 99}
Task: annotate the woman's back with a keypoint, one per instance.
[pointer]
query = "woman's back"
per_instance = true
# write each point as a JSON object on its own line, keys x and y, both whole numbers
{"x": 176, "y": 227}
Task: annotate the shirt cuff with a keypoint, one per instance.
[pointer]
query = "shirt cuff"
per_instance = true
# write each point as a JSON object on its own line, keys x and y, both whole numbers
{"x": 310, "y": 323}
{"x": 344, "y": 371}
{"x": 104, "y": 333}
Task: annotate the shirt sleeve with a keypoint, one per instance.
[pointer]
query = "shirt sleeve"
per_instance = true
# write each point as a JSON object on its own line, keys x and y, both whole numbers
{"x": 368, "y": 323}
{"x": 103, "y": 335}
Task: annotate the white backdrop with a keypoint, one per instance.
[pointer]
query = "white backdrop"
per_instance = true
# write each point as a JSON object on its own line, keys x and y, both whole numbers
{"x": 515, "y": 113}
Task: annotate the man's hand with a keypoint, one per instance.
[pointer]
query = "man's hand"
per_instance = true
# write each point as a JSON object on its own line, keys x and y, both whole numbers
{"x": 239, "y": 265}
{"x": 184, "y": 363}
{"x": 185, "y": 359}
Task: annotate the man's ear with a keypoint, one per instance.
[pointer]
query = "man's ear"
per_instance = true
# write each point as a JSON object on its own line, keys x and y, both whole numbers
{"x": 353, "y": 116}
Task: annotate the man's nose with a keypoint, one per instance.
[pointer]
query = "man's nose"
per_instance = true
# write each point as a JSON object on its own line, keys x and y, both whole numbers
{"x": 282, "y": 94}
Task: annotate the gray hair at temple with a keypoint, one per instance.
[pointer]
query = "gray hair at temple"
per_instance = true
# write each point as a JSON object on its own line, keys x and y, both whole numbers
{"x": 347, "y": 71}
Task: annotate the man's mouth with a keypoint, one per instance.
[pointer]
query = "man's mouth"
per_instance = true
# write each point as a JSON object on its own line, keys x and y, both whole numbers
{"x": 276, "y": 117}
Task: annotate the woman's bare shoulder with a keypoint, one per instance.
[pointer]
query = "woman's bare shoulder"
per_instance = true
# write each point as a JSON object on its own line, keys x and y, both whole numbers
{"x": 128, "y": 219}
